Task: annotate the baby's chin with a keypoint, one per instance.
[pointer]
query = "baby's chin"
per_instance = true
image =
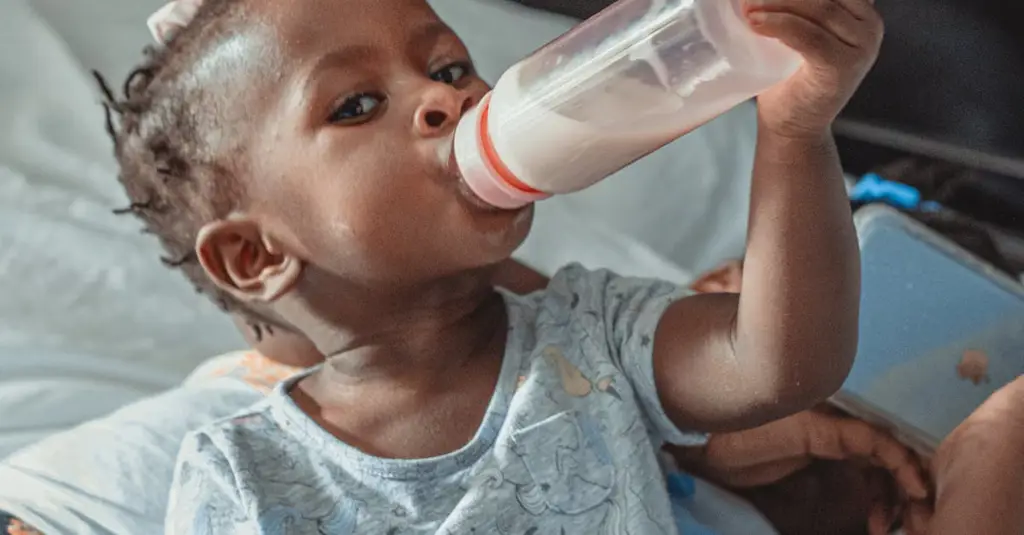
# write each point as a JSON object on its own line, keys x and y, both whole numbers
{"x": 496, "y": 235}
{"x": 521, "y": 222}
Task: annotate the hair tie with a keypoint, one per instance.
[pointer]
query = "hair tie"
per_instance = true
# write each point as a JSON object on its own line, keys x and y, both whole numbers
{"x": 171, "y": 18}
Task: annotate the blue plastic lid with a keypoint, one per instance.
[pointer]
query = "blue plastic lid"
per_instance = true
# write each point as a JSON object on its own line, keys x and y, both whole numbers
{"x": 874, "y": 188}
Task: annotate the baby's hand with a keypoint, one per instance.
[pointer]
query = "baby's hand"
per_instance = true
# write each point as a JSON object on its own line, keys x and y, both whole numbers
{"x": 839, "y": 41}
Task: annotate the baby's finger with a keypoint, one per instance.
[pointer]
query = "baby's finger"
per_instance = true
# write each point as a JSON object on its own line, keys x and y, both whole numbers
{"x": 863, "y": 10}
{"x": 829, "y": 15}
{"x": 812, "y": 41}
{"x": 870, "y": 26}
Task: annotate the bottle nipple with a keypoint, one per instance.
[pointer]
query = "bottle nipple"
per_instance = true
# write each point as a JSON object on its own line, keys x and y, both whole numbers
{"x": 480, "y": 164}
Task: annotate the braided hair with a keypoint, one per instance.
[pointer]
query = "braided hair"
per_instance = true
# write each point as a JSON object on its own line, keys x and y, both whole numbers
{"x": 175, "y": 181}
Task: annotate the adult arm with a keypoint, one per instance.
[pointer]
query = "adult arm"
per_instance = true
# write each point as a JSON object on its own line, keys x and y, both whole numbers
{"x": 982, "y": 495}
{"x": 979, "y": 470}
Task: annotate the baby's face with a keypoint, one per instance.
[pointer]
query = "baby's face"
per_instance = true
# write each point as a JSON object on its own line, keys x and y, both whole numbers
{"x": 348, "y": 165}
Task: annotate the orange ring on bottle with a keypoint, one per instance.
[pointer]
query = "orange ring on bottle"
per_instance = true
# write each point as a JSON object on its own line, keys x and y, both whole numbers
{"x": 491, "y": 154}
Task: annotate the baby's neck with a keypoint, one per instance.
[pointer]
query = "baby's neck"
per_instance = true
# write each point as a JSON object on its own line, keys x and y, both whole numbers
{"x": 421, "y": 345}
{"x": 417, "y": 390}
{"x": 372, "y": 335}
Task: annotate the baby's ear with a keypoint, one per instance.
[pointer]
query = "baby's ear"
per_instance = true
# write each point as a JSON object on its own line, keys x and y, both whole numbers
{"x": 244, "y": 262}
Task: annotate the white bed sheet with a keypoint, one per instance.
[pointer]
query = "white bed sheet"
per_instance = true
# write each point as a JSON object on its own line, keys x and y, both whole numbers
{"x": 90, "y": 321}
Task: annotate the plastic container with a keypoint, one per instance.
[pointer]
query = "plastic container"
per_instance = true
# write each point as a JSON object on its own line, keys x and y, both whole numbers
{"x": 620, "y": 85}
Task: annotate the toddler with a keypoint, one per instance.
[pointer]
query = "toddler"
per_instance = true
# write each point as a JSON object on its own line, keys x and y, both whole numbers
{"x": 292, "y": 158}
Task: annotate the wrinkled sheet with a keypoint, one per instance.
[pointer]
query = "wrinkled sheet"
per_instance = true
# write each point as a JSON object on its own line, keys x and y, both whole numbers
{"x": 90, "y": 320}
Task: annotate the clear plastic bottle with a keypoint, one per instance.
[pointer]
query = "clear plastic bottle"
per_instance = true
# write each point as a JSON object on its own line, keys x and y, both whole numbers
{"x": 620, "y": 85}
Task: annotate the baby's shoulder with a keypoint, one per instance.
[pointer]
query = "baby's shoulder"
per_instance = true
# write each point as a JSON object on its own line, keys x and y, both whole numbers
{"x": 570, "y": 304}
{"x": 576, "y": 293}
{"x": 243, "y": 434}
{"x": 573, "y": 289}
{"x": 576, "y": 278}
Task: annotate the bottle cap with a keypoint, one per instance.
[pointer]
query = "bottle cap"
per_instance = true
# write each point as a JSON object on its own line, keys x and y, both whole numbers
{"x": 481, "y": 168}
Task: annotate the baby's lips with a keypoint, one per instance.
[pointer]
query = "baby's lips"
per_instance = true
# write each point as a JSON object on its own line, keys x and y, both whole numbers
{"x": 446, "y": 156}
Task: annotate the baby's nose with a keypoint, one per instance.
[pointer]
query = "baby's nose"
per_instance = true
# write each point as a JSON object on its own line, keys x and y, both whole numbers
{"x": 440, "y": 111}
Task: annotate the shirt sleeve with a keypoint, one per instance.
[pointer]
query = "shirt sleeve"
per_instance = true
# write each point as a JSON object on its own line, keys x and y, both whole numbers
{"x": 204, "y": 498}
{"x": 630, "y": 309}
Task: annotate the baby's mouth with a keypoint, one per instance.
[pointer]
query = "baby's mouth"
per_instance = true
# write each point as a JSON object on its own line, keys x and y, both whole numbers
{"x": 447, "y": 155}
{"x": 473, "y": 199}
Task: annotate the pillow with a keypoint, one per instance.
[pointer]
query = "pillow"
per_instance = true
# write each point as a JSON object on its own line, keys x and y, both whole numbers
{"x": 89, "y": 320}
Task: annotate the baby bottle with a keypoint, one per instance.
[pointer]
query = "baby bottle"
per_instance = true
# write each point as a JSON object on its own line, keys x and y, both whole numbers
{"x": 613, "y": 89}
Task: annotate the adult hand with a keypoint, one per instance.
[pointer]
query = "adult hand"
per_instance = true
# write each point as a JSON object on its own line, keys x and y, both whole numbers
{"x": 777, "y": 462}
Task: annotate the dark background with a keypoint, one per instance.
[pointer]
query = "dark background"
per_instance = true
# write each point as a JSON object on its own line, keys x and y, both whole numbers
{"x": 949, "y": 82}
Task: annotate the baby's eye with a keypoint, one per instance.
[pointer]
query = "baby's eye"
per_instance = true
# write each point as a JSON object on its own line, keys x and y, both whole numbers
{"x": 356, "y": 109}
{"x": 452, "y": 74}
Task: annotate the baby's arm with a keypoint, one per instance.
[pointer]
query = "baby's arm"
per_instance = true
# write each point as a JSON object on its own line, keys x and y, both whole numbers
{"x": 724, "y": 362}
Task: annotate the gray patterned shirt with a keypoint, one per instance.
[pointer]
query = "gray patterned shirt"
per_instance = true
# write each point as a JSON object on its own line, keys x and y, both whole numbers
{"x": 569, "y": 443}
